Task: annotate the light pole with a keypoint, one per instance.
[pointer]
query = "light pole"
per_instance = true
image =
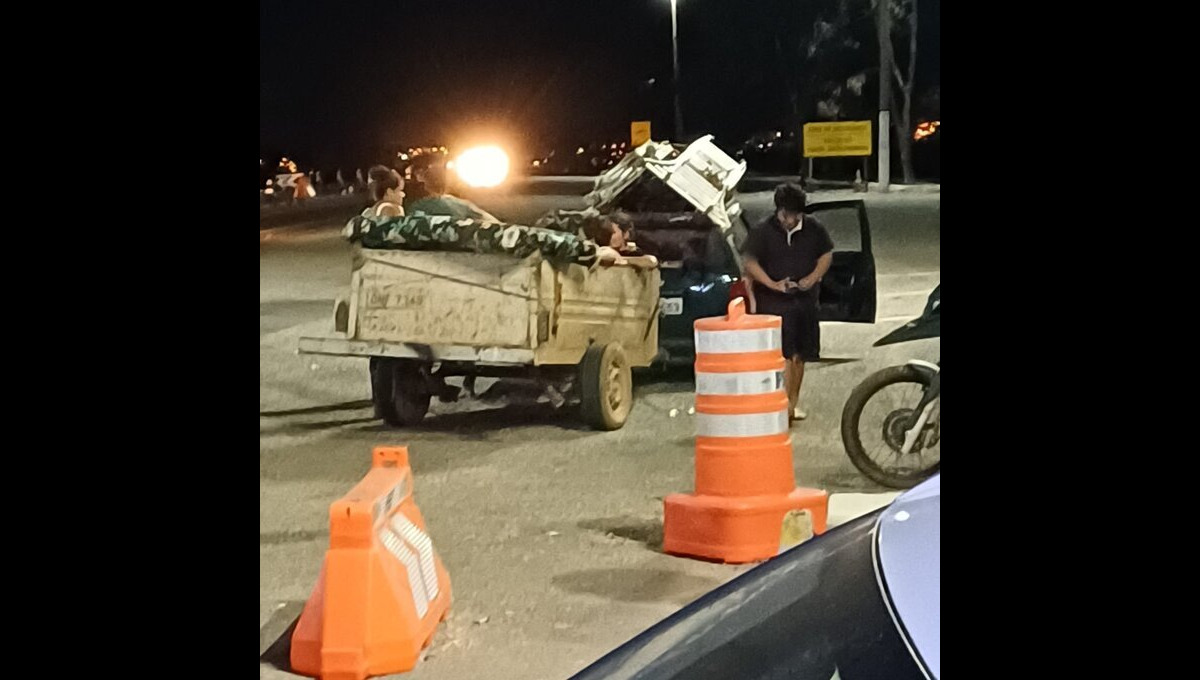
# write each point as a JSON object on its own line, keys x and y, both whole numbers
{"x": 675, "y": 62}
{"x": 883, "y": 27}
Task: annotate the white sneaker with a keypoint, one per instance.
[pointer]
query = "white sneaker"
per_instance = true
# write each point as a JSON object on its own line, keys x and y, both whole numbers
{"x": 797, "y": 414}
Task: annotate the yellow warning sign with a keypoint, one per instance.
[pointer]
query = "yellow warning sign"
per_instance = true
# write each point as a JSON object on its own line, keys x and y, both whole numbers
{"x": 851, "y": 138}
{"x": 639, "y": 132}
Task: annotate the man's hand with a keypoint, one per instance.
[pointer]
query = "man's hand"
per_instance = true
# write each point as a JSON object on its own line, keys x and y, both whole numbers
{"x": 781, "y": 286}
{"x": 807, "y": 282}
{"x": 756, "y": 273}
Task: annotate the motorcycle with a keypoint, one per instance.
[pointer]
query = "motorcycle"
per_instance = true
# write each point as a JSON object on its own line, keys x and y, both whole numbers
{"x": 891, "y": 424}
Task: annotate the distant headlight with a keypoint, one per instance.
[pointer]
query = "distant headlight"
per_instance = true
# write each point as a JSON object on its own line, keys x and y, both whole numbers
{"x": 483, "y": 166}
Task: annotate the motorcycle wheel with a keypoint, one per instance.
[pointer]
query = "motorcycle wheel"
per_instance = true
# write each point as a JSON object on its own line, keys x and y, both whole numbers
{"x": 892, "y": 433}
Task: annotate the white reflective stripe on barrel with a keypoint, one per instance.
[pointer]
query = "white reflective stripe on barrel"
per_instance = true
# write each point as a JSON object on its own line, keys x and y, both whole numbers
{"x": 741, "y": 425}
{"x": 747, "y": 382}
{"x": 419, "y": 542}
{"x": 731, "y": 342}
{"x": 412, "y": 567}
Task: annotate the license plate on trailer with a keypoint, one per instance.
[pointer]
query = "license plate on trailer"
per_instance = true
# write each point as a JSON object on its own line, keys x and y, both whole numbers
{"x": 670, "y": 306}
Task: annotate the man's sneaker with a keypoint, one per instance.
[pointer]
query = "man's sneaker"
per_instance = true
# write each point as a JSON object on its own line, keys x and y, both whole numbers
{"x": 797, "y": 414}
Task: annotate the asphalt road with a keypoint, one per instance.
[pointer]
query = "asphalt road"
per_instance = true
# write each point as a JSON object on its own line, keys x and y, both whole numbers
{"x": 551, "y": 532}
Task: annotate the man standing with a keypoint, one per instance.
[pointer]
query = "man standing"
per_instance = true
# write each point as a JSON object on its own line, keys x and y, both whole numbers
{"x": 786, "y": 257}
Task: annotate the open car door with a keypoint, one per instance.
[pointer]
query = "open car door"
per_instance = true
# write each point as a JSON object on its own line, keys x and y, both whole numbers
{"x": 848, "y": 289}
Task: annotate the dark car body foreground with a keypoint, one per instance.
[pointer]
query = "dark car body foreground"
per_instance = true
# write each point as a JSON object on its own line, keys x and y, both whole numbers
{"x": 861, "y": 601}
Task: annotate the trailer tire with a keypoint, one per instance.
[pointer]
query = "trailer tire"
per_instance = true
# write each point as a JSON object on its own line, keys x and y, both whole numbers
{"x": 606, "y": 387}
{"x": 381, "y": 370}
{"x": 410, "y": 396}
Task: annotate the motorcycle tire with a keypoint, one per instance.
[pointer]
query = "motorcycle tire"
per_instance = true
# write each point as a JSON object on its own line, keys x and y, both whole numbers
{"x": 850, "y": 428}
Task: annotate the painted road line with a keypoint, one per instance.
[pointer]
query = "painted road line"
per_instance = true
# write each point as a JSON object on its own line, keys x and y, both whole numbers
{"x": 892, "y": 319}
{"x": 844, "y": 507}
{"x": 909, "y": 275}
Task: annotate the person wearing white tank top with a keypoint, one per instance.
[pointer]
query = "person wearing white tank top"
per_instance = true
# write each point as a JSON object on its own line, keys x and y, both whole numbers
{"x": 387, "y": 189}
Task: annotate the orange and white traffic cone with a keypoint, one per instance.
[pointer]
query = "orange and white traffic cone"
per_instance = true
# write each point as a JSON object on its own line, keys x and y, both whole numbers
{"x": 746, "y": 492}
{"x": 382, "y": 589}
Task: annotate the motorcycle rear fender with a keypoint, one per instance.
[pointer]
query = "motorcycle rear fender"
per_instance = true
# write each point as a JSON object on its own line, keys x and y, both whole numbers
{"x": 925, "y": 368}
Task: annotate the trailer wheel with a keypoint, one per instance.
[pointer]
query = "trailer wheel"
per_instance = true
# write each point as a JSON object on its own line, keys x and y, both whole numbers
{"x": 606, "y": 387}
{"x": 410, "y": 396}
{"x": 381, "y": 369}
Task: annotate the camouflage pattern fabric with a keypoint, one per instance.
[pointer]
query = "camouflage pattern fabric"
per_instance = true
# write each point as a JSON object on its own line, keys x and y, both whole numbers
{"x": 569, "y": 221}
{"x": 442, "y": 232}
{"x": 449, "y": 205}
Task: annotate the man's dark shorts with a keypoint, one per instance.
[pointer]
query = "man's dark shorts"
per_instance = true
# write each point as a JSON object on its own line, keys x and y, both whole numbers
{"x": 801, "y": 328}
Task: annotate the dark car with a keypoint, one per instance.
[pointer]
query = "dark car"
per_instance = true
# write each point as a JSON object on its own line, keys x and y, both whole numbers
{"x": 860, "y": 602}
{"x": 701, "y": 269}
{"x": 772, "y": 152}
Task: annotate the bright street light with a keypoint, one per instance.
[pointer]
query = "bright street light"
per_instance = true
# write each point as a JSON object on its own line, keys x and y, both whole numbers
{"x": 482, "y": 166}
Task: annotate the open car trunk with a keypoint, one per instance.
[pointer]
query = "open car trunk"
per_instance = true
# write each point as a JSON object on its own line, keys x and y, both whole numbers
{"x": 698, "y": 267}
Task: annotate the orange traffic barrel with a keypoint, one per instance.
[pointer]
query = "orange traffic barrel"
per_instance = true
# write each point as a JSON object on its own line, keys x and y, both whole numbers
{"x": 382, "y": 589}
{"x": 745, "y": 481}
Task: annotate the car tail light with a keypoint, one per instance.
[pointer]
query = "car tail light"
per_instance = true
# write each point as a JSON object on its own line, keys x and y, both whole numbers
{"x": 738, "y": 290}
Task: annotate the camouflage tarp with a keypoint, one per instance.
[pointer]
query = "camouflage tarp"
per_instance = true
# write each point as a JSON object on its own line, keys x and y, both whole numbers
{"x": 569, "y": 221}
{"x": 446, "y": 204}
{"x": 442, "y": 232}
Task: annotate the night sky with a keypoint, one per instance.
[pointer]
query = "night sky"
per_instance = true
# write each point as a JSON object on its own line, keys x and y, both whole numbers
{"x": 347, "y": 82}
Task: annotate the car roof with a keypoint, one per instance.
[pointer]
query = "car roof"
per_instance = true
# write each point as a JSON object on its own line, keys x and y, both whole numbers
{"x": 908, "y": 563}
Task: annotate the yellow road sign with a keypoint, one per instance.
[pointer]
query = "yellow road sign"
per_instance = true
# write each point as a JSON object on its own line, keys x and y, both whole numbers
{"x": 639, "y": 132}
{"x": 851, "y": 138}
